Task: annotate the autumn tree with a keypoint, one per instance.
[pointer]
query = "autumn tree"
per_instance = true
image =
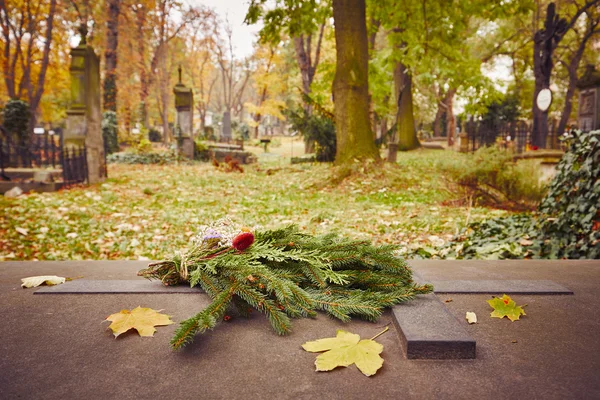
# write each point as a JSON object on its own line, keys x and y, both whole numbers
{"x": 545, "y": 42}
{"x": 113, "y": 10}
{"x": 304, "y": 22}
{"x": 570, "y": 56}
{"x": 201, "y": 37}
{"x": 268, "y": 83}
{"x": 234, "y": 75}
{"x": 27, "y": 32}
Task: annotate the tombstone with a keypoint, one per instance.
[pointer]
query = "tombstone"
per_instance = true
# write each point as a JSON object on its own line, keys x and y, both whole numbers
{"x": 84, "y": 117}
{"x": 226, "y": 134}
{"x": 552, "y": 352}
{"x": 184, "y": 104}
{"x": 588, "y": 117}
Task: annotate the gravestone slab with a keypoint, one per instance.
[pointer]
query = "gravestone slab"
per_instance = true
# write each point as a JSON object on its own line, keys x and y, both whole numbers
{"x": 57, "y": 346}
{"x": 104, "y": 287}
{"x": 429, "y": 331}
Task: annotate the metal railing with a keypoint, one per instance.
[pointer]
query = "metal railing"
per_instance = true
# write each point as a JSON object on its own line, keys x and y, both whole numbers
{"x": 43, "y": 151}
{"x": 515, "y": 135}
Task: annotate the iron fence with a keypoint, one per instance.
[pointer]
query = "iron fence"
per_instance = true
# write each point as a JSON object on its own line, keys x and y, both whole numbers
{"x": 515, "y": 135}
{"x": 74, "y": 165}
{"x": 43, "y": 151}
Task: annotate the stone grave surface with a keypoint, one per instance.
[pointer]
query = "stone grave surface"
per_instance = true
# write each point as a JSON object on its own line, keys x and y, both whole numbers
{"x": 54, "y": 344}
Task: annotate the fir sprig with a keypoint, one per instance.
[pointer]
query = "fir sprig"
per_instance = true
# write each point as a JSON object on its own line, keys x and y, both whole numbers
{"x": 288, "y": 274}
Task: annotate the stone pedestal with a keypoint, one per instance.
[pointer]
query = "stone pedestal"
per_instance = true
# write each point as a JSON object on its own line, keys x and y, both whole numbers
{"x": 463, "y": 142}
{"x": 588, "y": 117}
{"x": 184, "y": 132}
{"x": 84, "y": 117}
{"x": 226, "y": 134}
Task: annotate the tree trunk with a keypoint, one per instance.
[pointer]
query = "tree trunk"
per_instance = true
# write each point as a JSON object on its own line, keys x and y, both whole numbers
{"x": 540, "y": 118}
{"x": 405, "y": 118}
{"x": 450, "y": 120}
{"x": 144, "y": 84}
{"x": 351, "y": 83}
{"x": 439, "y": 114}
{"x": 36, "y": 95}
{"x": 110, "y": 55}
{"x": 572, "y": 68}
{"x": 544, "y": 43}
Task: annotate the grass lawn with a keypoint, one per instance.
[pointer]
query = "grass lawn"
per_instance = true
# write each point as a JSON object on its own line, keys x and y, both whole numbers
{"x": 150, "y": 211}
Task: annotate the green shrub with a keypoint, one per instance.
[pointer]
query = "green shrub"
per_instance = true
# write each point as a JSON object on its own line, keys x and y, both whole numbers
{"x": 566, "y": 226}
{"x": 572, "y": 206}
{"x": 491, "y": 175}
{"x": 315, "y": 127}
{"x": 154, "y": 135}
{"x": 201, "y": 152}
{"x": 144, "y": 146}
{"x": 110, "y": 132}
{"x": 15, "y": 118}
{"x": 162, "y": 158}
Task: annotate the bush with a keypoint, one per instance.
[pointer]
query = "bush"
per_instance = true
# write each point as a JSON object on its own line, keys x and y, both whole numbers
{"x": 110, "y": 132}
{"x": 15, "y": 117}
{"x": 144, "y": 146}
{"x": 568, "y": 222}
{"x": 162, "y": 158}
{"x": 201, "y": 152}
{"x": 491, "y": 175}
{"x": 572, "y": 205}
{"x": 319, "y": 128}
{"x": 154, "y": 136}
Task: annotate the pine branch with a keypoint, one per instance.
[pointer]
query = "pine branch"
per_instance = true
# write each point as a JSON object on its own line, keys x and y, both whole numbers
{"x": 207, "y": 319}
{"x": 288, "y": 274}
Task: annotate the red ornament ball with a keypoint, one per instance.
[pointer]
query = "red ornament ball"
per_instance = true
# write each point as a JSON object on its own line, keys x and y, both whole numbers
{"x": 242, "y": 241}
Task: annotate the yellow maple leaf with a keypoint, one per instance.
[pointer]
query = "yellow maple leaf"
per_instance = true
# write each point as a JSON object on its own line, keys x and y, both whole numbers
{"x": 141, "y": 319}
{"x": 506, "y": 307}
{"x": 346, "y": 349}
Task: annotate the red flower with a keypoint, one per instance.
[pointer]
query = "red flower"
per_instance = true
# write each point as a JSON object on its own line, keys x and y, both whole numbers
{"x": 242, "y": 241}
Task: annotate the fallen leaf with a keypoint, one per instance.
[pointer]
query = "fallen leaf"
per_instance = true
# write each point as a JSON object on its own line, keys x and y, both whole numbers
{"x": 141, "y": 319}
{"x": 471, "y": 317}
{"x": 22, "y": 231}
{"x": 35, "y": 281}
{"x": 346, "y": 349}
{"x": 506, "y": 307}
{"x": 448, "y": 301}
{"x": 526, "y": 242}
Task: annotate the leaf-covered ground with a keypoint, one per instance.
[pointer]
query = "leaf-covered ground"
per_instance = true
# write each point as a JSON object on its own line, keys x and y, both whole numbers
{"x": 151, "y": 211}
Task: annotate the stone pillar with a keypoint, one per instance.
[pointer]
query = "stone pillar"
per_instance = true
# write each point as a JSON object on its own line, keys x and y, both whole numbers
{"x": 184, "y": 132}
{"x": 84, "y": 117}
{"x": 463, "y": 142}
{"x": 226, "y": 134}
{"x": 588, "y": 117}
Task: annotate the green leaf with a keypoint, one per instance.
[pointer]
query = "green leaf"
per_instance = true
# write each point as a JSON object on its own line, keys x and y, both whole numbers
{"x": 346, "y": 349}
{"x": 506, "y": 307}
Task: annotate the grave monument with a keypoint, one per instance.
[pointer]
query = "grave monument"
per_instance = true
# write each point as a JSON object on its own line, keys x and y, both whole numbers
{"x": 588, "y": 117}
{"x": 84, "y": 117}
{"x": 184, "y": 104}
{"x": 226, "y": 134}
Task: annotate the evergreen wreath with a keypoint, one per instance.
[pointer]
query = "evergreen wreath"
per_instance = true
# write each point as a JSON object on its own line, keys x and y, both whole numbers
{"x": 285, "y": 274}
